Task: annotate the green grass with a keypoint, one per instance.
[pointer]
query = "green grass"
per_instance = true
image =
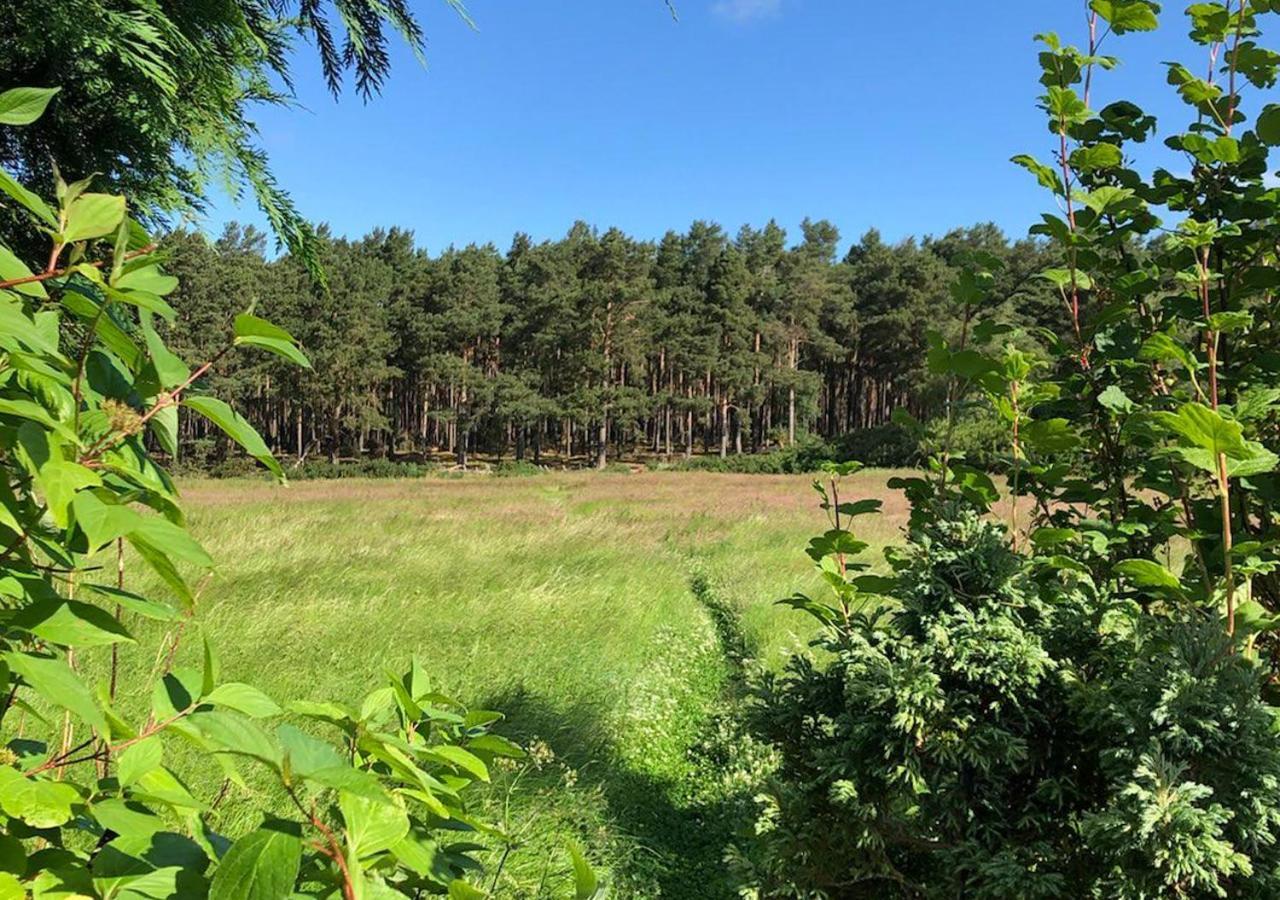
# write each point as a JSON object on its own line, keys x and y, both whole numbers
{"x": 565, "y": 601}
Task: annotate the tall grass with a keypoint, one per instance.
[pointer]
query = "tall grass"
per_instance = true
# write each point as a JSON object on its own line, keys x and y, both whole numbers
{"x": 566, "y": 601}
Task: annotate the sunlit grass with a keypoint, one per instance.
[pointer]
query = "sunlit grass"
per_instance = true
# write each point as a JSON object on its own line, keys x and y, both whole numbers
{"x": 562, "y": 599}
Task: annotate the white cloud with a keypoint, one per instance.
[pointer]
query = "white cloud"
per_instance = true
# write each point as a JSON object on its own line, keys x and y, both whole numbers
{"x": 746, "y": 10}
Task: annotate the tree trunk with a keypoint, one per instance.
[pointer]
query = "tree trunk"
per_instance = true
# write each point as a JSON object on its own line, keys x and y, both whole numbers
{"x": 724, "y": 425}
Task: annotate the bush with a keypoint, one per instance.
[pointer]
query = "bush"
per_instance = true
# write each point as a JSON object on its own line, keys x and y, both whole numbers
{"x": 519, "y": 468}
{"x": 362, "y": 468}
{"x": 979, "y": 436}
{"x": 884, "y": 446}
{"x": 999, "y": 730}
{"x": 806, "y": 455}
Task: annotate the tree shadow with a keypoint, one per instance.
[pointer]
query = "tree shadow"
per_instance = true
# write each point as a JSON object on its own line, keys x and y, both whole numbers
{"x": 679, "y": 841}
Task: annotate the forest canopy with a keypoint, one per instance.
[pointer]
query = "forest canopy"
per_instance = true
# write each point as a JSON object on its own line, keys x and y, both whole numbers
{"x": 598, "y": 342}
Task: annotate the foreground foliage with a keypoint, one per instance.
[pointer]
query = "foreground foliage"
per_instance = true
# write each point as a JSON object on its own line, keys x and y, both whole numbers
{"x": 1076, "y": 701}
{"x": 89, "y": 802}
{"x": 1002, "y": 733}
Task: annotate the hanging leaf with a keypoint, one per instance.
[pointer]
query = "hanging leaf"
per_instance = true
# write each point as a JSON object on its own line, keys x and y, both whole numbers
{"x": 24, "y": 105}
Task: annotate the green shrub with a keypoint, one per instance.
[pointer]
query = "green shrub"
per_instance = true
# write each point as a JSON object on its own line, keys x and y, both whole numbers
{"x": 362, "y": 468}
{"x": 1080, "y": 702}
{"x": 997, "y": 730}
{"x": 886, "y": 446}
{"x": 806, "y": 455}
{"x": 517, "y": 469}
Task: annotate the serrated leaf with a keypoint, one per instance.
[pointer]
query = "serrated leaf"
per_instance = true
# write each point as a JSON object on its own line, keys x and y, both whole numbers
{"x": 52, "y": 679}
{"x": 372, "y": 826}
{"x": 262, "y": 865}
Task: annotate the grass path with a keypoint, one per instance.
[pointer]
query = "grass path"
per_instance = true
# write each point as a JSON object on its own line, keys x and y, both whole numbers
{"x": 563, "y": 600}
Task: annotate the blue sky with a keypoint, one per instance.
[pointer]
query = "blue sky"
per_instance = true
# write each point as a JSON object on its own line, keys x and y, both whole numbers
{"x": 895, "y": 115}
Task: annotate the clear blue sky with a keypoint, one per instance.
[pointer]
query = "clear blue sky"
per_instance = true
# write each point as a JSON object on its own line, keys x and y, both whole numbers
{"x": 895, "y": 115}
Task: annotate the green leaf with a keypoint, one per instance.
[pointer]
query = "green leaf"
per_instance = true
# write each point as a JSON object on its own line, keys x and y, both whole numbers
{"x": 1051, "y": 435}
{"x": 496, "y": 745}
{"x": 12, "y": 268}
{"x": 93, "y": 216}
{"x": 860, "y": 507}
{"x": 134, "y": 603}
{"x": 1149, "y": 574}
{"x": 1160, "y": 347}
{"x": 458, "y": 758}
{"x": 173, "y": 541}
{"x": 38, "y": 801}
{"x": 460, "y": 890}
{"x": 262, "y": 865}
{"x": 139, "y": 759}
{"x": 1098, "y": 156}
{"x": 27, "y": 200}
{"x": 52, "y": 678}
{"x": 1109, "y": 199}
{"x": 23, "y": 105}
{"x": 243, "y": 698}
{"x": 255, "y": 332}
{"x": 11, "y": 888}
{"x": 237, "y": 428}
{"x": 171, "y": 370}
{"x": 372, "y": 826}
{"x": 103, "y": 522}
{"x": 1126, "y": 15}
{"x": 1253, "y": 618}
{"x": 148, "y": 278}
{"x": 1268, "y": 125}
{"x": 71, "y": 623}
{"x": 164, "y": 567}
{"x": 211, "y": 669}
{"x": 15, "y": 323}
{"x": 1054, "y": 537}
{"x": 29, "y": 409}
{"x": 1202, "y": 427}
{"x": 1045, "y": 175}
{"x": 143, "y": 300}
{"x": 233, "y": 733}
{"x": 586, "y": 885}
{"x": 1116, "y": 400}
{"x": 279, "y": 348}
{"x": 248, "y": 325}
{"x": 57, "y": 477}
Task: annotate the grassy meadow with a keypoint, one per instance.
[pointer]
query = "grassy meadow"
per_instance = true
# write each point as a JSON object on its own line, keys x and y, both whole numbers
{"x": 582, "y": 605}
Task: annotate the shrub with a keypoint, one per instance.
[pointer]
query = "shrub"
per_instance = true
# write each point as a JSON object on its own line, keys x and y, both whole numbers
{"x": 362, "y": 468}
{"x": 887, "y": 446}
{"x": 517, "y": 469}
{"x": 996, "y": 730}
{"x": 806, "y": 455}
{"x": 1077, "y": 703}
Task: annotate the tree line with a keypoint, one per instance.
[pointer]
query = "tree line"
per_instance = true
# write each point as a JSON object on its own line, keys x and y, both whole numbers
{"x": 589, "y": 346}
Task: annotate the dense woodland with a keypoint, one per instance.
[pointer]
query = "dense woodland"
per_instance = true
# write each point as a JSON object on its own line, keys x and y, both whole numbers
{"x": 588, "y": 346}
